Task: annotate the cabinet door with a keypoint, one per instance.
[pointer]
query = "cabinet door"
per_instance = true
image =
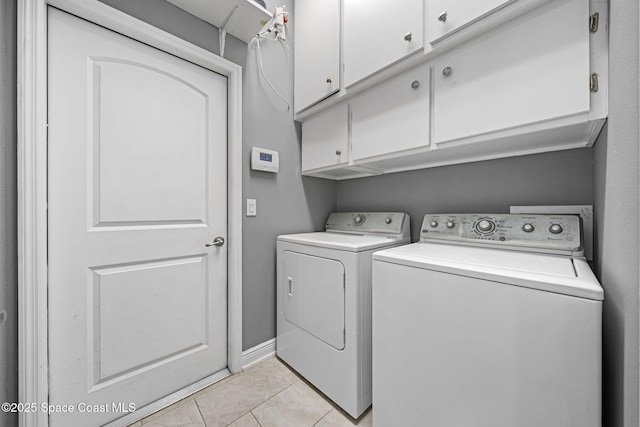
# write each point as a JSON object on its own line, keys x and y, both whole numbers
{"x": 446, "y": 16}
{"x": 392, "y": 116}
{"x": 533, "y": 69}
{"x": 378, "y": 34}
{"x": 325, "y": 139}
{"x": 317, "y": 51}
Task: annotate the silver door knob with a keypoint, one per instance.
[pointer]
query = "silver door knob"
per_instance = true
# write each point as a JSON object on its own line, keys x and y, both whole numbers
{"x": 218, "y": 241}
{"x": 442, "y": 17}
{"x": 407, "y": 37}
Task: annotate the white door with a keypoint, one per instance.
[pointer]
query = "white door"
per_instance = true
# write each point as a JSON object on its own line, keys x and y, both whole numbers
{"x": 137, "y": 187}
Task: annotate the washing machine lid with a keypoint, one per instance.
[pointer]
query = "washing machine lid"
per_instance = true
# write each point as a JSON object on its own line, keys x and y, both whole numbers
{"x": 352, "y": 242}
{"x": 552, "y": 273}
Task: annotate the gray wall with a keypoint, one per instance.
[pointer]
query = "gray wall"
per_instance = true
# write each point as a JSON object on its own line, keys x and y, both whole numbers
{"x": 562, "y": 177}
{"x": 8, "y": 227}
{"x": 286, "y": 202}
{"x": 616, "y": 200}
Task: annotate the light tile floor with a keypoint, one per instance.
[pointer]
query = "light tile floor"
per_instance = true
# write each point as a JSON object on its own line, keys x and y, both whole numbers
{"x": 269, "y": 394}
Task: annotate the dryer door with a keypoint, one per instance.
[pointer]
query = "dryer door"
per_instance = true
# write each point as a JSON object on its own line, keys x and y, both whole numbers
{"x": 313, "y": 296}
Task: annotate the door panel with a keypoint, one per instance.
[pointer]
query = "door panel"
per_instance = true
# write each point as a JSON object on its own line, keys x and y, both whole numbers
{"x": 313, "y": 296}
{"x": 137, "y": 187}
{"x": 129, "y": 333}
{"x": 134, "y": 181}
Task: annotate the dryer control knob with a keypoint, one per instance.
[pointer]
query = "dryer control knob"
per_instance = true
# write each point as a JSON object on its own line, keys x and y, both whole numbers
{"x": 528, "y": 228}
{"x": 485, "y": 226}
{"x": 387, "y": 220}
{"x": 433, "y": 224}
{"x": 555, "y": 228}
{"x": 450, "y": 224}
{"x": 358, "y": 219}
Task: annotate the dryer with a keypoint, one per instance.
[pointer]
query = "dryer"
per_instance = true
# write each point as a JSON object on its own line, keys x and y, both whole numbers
{"x": 489, "y": 321}
{"x": 324, "y": 302}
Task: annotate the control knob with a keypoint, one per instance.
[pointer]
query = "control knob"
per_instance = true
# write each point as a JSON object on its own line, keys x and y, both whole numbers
{"x": 555, "y": 228}
{"x": 388, "y": 220}
{"x": 528, "y": 228}
{"x": 485, "y": 226}
{"x": 433, "y": 224}
{"x": 450, "y": 224}
{"x": 358, "y": 219}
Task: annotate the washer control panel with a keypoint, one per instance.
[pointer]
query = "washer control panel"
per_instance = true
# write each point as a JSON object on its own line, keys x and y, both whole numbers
{"x": 545, "y": 233}
{"x": 393, "y": 223}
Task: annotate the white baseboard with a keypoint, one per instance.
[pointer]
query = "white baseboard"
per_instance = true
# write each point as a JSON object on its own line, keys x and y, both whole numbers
{"x": 258, "y": 353}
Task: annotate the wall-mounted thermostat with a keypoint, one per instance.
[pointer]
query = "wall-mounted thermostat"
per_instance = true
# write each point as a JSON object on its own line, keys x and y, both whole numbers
{"x": 264, "y": 160}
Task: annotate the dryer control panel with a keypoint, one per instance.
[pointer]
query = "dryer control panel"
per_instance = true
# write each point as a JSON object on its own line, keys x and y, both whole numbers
{"x": 560, "y": 234}
{"x": 393, "y": 223}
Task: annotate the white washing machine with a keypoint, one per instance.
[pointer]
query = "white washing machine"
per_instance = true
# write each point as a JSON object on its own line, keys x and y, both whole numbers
{"x": 488, "y": 321}
{"x": 324, "y": 302}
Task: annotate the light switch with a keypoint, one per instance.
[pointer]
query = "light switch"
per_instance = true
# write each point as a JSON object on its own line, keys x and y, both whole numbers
{"x": 251, "y": 207}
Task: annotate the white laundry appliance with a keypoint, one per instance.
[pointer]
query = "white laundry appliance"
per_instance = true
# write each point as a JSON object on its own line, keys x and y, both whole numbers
{"x": 324, "y": 302}
{"x": 488, "y": 321}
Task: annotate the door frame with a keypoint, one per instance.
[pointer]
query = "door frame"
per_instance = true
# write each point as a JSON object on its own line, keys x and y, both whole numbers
{"x": 32, "y": 182}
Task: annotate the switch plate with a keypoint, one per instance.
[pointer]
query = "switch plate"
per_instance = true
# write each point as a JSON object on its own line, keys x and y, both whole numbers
{"x": 251, "y": 207}
{"x": 585, "y": 211}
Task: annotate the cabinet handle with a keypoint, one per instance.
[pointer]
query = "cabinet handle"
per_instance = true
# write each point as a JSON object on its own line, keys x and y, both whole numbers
{"x": 447, "y": 71}
{"x": 329, "y": 80}
{"x": 338, "y": 152}
{"x": 442, "y": 17}
{"x": 415, "y": 84}
{"x": 407, "y": 37}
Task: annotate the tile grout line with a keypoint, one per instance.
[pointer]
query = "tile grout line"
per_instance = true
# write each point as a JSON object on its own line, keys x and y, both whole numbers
{"x": 261, "y": 403}
{"x": 323, "y": 417}
{"x": 265, "y": 401}
{"x": 254, "y": 417}
{"x": 200, "y": 412}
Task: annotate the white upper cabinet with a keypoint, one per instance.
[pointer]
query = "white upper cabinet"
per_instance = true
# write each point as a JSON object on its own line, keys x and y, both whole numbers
{"x": 392, "y": 117}
{"x": 325, "y": 139}
{"x": 317, "y": 51}
{"x": 378, "y": 34}
{"x": 447, "y": 16}
{"x": 531, "y": 70}
{"x": 504, "y": 78}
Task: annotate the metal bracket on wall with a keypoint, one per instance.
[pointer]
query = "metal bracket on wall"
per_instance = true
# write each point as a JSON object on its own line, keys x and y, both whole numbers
{"x": 222, "y": 31}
